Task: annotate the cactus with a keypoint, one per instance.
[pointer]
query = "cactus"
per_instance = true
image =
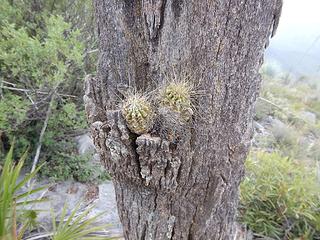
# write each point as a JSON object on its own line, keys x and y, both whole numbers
{"x": 137, "y": 112}
{"x": 177, "y": 97}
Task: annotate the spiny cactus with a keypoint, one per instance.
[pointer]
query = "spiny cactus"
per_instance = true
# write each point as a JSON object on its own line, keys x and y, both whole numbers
{"x": 177, "y": 97}
{"x": 137, "y": 112}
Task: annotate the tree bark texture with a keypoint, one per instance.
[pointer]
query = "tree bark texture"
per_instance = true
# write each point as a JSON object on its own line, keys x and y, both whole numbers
{"x": 184, "y": 189}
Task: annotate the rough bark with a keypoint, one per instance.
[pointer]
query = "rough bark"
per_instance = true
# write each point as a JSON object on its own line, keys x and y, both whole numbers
{"x": 184, "y": 189}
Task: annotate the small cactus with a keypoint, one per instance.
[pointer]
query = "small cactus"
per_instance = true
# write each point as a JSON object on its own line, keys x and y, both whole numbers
{"x": 177, "y": 97}
{"x": 137, "y": 112}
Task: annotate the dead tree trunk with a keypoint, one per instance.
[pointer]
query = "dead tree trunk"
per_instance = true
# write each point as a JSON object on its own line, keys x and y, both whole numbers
{"x": 188, "y": 188}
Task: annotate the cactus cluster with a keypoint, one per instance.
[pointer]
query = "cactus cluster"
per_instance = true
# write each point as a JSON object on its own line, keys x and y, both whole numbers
{"x": 177, "y": 97}
{"x": 174, "y": 100}
{"x": 138, "y": 114}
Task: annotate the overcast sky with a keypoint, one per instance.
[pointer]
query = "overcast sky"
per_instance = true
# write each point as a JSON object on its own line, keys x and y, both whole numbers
{"x": 296, "y": 46}
{"x": 299, "y": 23}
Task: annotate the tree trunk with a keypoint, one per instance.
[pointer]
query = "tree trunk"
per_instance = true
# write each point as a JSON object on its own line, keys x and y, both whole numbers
{"x": 187, "y": 188}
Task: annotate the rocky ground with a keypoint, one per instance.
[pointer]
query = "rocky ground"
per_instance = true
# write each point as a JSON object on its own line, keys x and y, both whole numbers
{"x": 101, "y": 197}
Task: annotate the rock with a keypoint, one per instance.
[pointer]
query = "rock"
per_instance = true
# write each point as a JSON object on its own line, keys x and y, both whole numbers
{"x": 274, "y": 122}
{"x": 307, "y": 141}
{"x": 258, "y": 127}
{"x": 85, "y": 144}
{"x": 309, "y": 117}
{"x": 260, "y": 135}
{"x": 107, "y": 203}
{"x": 96, "y": 158}
{"x": 56, "y": 196}
{"x": 102, "y": 198}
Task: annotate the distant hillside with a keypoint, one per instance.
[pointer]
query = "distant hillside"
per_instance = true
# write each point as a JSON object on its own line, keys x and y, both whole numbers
{"x": 296, "y": 62}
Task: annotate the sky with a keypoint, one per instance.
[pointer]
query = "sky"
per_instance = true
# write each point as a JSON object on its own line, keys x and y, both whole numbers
{"x": 300, "y": 22}
{"x": 297, "y": 42}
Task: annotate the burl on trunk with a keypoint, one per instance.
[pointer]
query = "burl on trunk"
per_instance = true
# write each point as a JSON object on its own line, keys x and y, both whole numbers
{"x": 178, "y": 179}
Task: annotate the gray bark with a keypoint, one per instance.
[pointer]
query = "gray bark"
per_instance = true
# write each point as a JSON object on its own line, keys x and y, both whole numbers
{"x": 186, "y": 189}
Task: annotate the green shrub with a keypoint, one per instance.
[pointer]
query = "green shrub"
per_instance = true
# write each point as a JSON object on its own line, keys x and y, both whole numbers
{"x": 59, "y": 147}
{"x": 286, "y": 101}
{"x": 286, "y": 138}
{"x": 40, "y": 52}
{"x": 263, "y": 110}
{"x": 75, "y": 226}
{"x": 12, "y": 112}
{"x": 40, "y": 60}
{"x": 67, "y": 166}
{"x": 65, "y": 121}
{"x": 13, "y": 109}
{"x": 280, "y": 198}
{"x": 12, "y": 196}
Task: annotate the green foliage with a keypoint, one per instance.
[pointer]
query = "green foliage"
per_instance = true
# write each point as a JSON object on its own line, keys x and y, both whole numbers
{"x": 285, "y": 138}
{"x": 65, "y": 163}
{"x": 42, "y": 45}
{"x": 289, "y": 112}
{"x": 280, "y": 198}
{"x": 67, "y": 118}
{"x": 76, "y": 227}
{"x": 45, "y": 58}
{"x": 286, "y": 102}
{"x": 9, "y": 13}
{"x": 79, "y": 168}
{"x": 12, "y": 195}
{"x": 13, "y": 111}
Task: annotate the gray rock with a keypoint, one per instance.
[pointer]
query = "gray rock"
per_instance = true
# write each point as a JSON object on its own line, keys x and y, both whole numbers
{"x": 101, "y": 197}
{"x": 258, "y": 128}
{"x": 309, "y": 117}
{"x": 107, "y": 204}
{"x": 84, "y": 144}
{"x": 274, "y": 122}
{"x": 56, "y": 196}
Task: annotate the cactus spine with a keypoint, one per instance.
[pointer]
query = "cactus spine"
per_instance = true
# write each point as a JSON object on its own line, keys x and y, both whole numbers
{"x": 177, "y": 97}
{"x": 137, "y": 112}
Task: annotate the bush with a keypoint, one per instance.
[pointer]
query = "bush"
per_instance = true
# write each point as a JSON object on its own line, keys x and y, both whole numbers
{"x": 67, "y": 166}
{"x": 285, "y": 138}
{"x": 286, "y": 102}
{"x": 42, "y": 54}
{"x": 280, "y": 198}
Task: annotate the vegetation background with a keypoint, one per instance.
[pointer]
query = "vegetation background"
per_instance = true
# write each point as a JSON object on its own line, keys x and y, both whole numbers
{"x": 46, "y": 49}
